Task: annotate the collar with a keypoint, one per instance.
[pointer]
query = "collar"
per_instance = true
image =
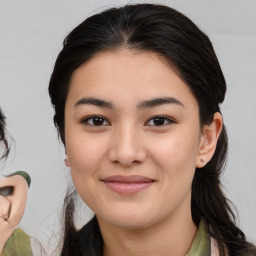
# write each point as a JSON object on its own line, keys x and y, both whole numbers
{"x": 201, "y": 245}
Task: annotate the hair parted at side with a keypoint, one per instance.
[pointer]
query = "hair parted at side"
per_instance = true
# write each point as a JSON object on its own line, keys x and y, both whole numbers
{"x": 3, "y": 136}
{"x": 167, "y": 32}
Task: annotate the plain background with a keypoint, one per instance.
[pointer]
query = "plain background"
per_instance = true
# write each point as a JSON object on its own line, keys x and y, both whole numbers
{"x": 31, "y": 35}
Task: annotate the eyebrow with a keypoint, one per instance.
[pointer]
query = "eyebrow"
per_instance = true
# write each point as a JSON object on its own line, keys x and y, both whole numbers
{"x": 95, "y": 102}
{"x": 159, "y": 101}
{"x": 144, "y": 104}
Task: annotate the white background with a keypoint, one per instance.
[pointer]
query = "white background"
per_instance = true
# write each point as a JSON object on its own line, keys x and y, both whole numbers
{"x": 31, "y": 35}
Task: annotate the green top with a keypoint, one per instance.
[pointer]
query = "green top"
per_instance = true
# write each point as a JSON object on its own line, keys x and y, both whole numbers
{"x": 18, "y": 244}
{"x": 202, "y": 241}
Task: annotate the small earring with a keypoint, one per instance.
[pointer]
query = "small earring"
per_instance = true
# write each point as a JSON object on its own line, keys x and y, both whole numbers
{"x": 202, "y": 160}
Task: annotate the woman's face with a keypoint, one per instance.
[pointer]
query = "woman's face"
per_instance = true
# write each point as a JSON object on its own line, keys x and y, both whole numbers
{"x": 132, "y": 137}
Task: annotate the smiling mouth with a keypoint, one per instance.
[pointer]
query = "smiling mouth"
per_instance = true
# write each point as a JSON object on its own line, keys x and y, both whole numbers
{"x": 127, "y": 185}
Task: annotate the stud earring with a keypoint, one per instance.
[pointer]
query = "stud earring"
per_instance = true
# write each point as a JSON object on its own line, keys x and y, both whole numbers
{"x": 202, "y": 160}
{"x": 66, "y": 160}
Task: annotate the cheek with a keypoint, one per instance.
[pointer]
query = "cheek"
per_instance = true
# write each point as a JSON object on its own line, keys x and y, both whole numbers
{"x": 176, "y": 153}
{"x": 84, "y": 152}
{"x": 85, "y": 158}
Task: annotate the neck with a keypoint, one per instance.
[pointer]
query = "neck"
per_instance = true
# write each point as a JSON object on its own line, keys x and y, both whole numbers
{"x": 171, "y": 237}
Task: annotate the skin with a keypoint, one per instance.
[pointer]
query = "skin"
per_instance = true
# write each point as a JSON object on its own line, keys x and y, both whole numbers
{"x": 12, "y": 207}
{"x": 156, "y": 220}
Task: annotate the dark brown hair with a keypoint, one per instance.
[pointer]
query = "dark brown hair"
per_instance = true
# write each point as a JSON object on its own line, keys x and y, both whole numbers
{"x": 3, "y": 138}
{"x": 165, "y": 31}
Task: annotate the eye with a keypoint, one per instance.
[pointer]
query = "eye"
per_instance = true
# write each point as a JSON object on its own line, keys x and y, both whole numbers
{"x": 159, "y": 121}
{"x": 95, "y": 121}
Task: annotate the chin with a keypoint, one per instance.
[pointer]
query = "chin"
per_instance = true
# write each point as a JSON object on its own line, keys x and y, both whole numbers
{"x": 129, "y": 220}
{"x": 130, "y": 224}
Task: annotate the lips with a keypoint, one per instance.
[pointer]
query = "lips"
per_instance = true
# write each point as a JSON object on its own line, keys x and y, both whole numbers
{"x": 127, "y": 185}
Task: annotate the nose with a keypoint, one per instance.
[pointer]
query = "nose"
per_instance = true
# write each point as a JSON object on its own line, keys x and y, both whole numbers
{"x": 127, "y": 147}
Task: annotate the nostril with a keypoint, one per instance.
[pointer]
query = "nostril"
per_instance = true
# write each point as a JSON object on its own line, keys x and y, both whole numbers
{"x": 127, "y": 164}
{"x": 126, "y": 150}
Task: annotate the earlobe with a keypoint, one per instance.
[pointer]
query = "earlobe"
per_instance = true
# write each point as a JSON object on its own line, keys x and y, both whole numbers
{"x": 66, "y": 161}
{"x": 208, "y": 140}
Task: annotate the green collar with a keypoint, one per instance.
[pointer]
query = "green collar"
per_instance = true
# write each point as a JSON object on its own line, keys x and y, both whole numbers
{"x": 202, "y": 242}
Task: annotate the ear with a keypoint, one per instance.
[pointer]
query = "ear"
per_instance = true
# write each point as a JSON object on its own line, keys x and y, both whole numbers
{"x": 208, "y": 140}
{"x": 66, "y": 161}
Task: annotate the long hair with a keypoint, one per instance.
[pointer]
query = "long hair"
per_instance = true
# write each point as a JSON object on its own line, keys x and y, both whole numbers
{"x": 179, "y": 41}
{"x": 3, "y": 138}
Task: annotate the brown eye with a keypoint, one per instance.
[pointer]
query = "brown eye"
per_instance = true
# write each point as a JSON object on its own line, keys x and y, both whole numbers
{"x": 95, "y": 121}
{"x": 159, "y": 121}
{"x": 98, "y": 121}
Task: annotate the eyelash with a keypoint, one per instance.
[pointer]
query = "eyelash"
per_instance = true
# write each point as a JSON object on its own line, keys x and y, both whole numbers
{"x": 94, "y": 117}
{"x": 167, "y": 120}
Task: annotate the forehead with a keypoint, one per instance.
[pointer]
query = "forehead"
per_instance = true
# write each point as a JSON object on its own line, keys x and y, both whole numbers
{"x": 126, "y": 74}
{"x": 117, "y": 63}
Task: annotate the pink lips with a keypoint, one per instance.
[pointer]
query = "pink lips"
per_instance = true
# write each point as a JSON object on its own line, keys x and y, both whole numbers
{"x": 127, "y": 184}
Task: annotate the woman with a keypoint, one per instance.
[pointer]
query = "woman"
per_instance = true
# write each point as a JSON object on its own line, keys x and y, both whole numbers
{"x": 136, "y": 92}
{"x": 13, "y": 195}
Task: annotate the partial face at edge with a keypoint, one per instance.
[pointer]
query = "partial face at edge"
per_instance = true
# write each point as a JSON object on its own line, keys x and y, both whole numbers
{"x": 4, "y": 150}
{"x": 129, "y": 114}
{"x": 1, "y": 125}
